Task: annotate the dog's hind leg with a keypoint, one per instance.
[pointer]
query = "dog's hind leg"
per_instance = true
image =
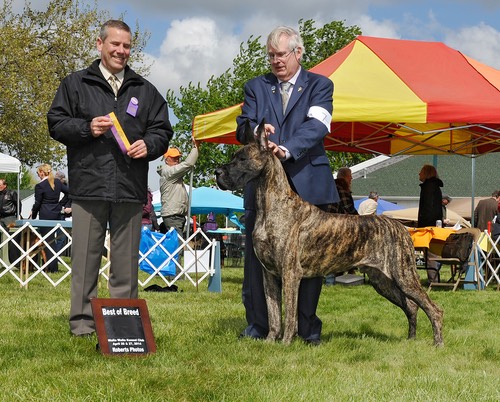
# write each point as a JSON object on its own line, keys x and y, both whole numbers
{"x": 431, "y": 309}
{"x": 390, "y": 290}
{"x": 409, "y": 295}
{"x": 272, "y": 290}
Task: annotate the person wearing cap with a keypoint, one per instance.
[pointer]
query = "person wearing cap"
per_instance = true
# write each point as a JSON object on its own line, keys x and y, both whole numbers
{"x": 444, "y": 203}
{"x": 174, "y": 197}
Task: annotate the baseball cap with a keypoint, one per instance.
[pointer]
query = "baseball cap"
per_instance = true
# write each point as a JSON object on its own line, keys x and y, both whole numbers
{"x": 172, "y": 152}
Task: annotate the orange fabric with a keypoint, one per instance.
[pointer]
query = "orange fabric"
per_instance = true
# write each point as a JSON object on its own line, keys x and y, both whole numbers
{"x": 422, "y": 237}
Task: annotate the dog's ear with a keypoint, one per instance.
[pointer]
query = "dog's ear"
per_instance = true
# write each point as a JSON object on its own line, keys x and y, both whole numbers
{"x": 249, "y": 135}
{"x": 262, "y": 136}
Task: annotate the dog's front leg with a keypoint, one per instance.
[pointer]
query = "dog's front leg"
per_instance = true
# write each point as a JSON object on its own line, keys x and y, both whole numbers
{"x": 272, "y": 290}
{"x": 291, "y": 284}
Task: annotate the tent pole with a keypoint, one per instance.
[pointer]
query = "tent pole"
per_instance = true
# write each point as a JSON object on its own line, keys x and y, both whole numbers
{"x": 473, "y": 169}
{"x": 18, "y": 214}
{"x": 189, "y": 203}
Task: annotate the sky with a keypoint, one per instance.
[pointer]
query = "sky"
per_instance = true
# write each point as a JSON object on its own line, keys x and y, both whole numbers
{"x": 191, "y": 40}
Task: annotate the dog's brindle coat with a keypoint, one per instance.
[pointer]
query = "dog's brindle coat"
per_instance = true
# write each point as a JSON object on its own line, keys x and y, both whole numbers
{"x": 294, "y": 239}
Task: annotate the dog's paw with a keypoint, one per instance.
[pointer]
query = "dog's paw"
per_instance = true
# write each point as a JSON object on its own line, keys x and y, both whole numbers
{"x": 272, "y": 337}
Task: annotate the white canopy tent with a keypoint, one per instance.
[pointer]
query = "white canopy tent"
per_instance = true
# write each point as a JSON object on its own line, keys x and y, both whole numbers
{"x": 9, "y": 164}
{"x": 409, "y": 217}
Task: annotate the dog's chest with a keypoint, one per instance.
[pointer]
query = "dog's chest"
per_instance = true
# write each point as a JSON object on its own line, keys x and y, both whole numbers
{"x": 271, "y": 247}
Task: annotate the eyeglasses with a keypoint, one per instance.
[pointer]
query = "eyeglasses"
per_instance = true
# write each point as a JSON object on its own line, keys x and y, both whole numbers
{"x": 280, "y": 56}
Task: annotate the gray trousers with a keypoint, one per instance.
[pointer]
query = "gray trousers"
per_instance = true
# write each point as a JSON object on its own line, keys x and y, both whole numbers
{"x": 90, "y": 221}
{"x": 175, "y": 221}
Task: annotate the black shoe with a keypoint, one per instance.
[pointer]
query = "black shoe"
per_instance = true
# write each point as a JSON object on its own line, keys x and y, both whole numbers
{"x": 85, "y": 335}
{"x": 313, "y": 342}
{"x": 246, "y": 333}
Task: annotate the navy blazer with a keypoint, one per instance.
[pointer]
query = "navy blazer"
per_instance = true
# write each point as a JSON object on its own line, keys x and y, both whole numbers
{"x": 47, "y": 202}
{"x": 308, "y": 168}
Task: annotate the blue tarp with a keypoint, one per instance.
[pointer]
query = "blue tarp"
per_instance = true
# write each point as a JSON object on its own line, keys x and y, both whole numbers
{"x": 382, "y": 205}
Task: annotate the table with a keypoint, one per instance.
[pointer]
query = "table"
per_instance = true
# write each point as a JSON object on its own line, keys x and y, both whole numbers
{"x": 429, "y": 239}
{"x": 432, "y": 239}
{"x": 33, "y": 243}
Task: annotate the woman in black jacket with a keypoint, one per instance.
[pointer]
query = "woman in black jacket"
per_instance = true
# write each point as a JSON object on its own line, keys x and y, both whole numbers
{"x": 48, "y": 205}
{"x": 430, "y": 209}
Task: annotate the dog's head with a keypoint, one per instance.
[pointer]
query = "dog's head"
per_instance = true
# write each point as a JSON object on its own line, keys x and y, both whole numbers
{"x": 248, "y": 162}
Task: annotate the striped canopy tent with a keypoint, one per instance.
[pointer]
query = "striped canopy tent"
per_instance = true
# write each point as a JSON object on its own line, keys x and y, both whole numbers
{"x": 397, "y": 97}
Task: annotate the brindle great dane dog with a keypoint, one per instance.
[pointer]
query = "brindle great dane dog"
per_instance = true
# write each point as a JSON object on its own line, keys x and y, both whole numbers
{"x": 294, "y": 239}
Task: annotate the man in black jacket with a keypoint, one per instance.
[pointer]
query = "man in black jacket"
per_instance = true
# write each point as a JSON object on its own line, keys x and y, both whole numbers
{"x": 8, "y": 205}
{"x": 8, "y": 215}
{"x": 107, "y": 165}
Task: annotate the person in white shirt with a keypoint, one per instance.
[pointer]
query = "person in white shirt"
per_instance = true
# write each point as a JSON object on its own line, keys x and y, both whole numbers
{"x": 369, "y": 206}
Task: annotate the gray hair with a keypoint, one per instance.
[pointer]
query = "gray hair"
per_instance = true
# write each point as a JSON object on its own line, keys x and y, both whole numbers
{"x": 103, "y": 34}
{"x": 373, "y": 195}
{"x": 273, "y": 40}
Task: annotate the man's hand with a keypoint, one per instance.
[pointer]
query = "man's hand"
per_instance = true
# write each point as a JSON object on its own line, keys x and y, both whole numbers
{"x": 99, "y": 125}
{"x": 138, "y": 150}
{"x": 269, "y": 129}
{"x": 276, "y": 150}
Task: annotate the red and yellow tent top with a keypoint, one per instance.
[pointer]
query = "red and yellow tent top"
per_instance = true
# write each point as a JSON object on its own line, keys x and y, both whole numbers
{"x": 398, "y": 97}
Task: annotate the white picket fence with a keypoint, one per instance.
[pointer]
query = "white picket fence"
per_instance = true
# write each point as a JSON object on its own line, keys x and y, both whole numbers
{"x": 192, "y": 263}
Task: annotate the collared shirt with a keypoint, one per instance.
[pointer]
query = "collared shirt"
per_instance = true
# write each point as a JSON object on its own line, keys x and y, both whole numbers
{"x": 292, "y": 81}
{"x": 106, "y": 73}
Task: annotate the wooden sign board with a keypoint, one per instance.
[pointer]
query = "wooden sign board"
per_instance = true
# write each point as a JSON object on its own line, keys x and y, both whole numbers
{"x": 123, "y": 326}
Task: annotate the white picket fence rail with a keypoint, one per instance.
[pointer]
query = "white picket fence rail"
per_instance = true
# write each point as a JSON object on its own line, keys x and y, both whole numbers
{"x": 192, "y": 263}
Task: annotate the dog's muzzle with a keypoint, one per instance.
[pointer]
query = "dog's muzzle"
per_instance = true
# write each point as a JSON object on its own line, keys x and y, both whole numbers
{"x": 221, "y": 178}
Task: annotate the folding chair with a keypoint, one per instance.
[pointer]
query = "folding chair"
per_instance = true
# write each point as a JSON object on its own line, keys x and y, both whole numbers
{"x": 459, "y": 252}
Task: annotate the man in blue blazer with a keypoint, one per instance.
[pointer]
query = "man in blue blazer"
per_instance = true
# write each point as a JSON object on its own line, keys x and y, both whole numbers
{"x": 297, "y": 108}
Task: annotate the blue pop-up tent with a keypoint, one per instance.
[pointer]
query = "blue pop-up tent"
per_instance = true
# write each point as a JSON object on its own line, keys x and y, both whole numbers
{"x": 207, "y": 199}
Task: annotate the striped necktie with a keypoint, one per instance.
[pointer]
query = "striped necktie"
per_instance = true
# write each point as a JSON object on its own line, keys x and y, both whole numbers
{"x": 285, "y": 86}
{"x": 113, "y": 81}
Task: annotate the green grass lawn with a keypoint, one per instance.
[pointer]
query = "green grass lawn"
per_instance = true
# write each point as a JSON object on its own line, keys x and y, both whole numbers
{"x": 364, "y": 356}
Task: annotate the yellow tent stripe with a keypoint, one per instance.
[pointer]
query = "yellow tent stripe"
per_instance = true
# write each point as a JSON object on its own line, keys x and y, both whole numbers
{"x": 381, "y": 96}
{"x": 216, "y": 124}
{"x": 432, "y": 139}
